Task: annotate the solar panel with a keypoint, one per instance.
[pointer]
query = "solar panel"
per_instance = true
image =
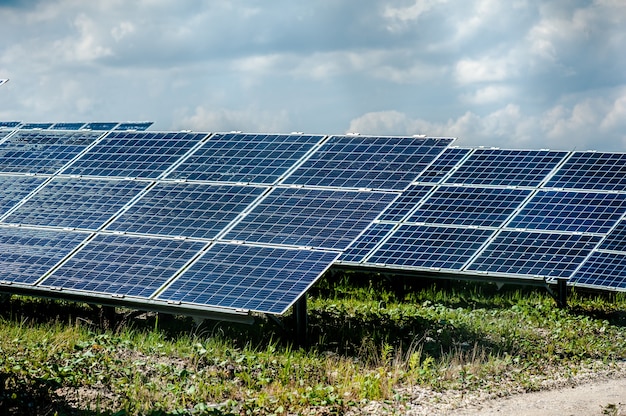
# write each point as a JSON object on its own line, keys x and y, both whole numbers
{"x": 385, "y": 163}
{"x": 443, "y": 165}
{"x": 406, "y": 203}
{"x": 602, "y": 270}
{"x": 140, "y": 126}
{"x": 123, "y": 265}
{"x": 14, "y": 188}
{"x": 134, "y": 154}
{"x": 101, "y": 126}
{"x": 591, "y": 170}
{"x": 76, "y": 203}
{"x": 29, "y": 253}
{"x": 42, "y": 151}
{"x": 67, "y": 126}
{"x": 616, "y": 240}
{"x": 251, "y": 158}
{"x": 591, "y": 212}
{"x": 262, "y": 279}
{"x": 310, "y": 217}
{"x": 430, "y": 247}
{"x": 362, "y": 246}
{"x": 535, "y": 254}
{"x": 186, "y": 209}
{"x": 457, "y": 205}
{"x": 506, "y": 167}
{"x": 35, "y": 126}
{"x": 9, "y": 124}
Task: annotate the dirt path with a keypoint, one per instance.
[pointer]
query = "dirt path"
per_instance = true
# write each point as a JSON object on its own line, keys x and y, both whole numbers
{"x": 600, "y": 397}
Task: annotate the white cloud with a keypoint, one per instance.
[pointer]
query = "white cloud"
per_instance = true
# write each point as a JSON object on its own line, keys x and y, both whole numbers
{"x": 487, "y": 69}
{"x": 250, "y": 120}
{"x": 399, "y": 17}
{"x": 489, "y": 94}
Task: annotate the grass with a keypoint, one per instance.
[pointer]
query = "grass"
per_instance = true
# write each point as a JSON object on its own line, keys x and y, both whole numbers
{"x": 371, "y": 343}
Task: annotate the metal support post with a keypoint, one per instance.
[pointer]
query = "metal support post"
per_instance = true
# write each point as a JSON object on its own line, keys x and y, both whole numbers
{"x": 301, "y": 322}
{"x": 562, "y": 293}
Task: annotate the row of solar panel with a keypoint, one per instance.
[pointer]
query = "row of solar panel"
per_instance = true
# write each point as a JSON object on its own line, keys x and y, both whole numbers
{"x": 99, "y": 126}
{"x": 342, "y": 161}
{"x": 105, "y": 234}
{"x": 387, "y": 163}
{"x": 443, "y": 226}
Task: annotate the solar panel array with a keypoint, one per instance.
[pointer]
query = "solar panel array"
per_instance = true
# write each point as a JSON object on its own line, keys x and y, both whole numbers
{"x": 507, "y": 214}
{"x": 228, "y": 221}
{"x": 248, "y": 222}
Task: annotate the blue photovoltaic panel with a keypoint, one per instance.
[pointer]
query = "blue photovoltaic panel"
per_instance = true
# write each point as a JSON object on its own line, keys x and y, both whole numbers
{"x": 42, "y": 151}
{"x": 386, "y": 163}
{"x": 604, "y": 270}
{"x": 366, "y": 242}
{"x": 261, "y": 279}
{"x": 616, "y": 240}
{"x": 252, "y": 158}
{"x": 67, "y": 126}
{"x": 14, "y": 188}
{"x": 27, "y": 254}
{"x": 571, "y": 211}
{"x": 3, "y": 134}
{"x": 9, "y": 124}
{"x": 535, "y": 254}
{"x": 124, "y": 265}
{"x": 405, "y": 203}
{"x": 506, "y": 167}
{"x": 101, "y": 126}
{"x": 134, "y": 154}
{"x": 141, "y": 126}
{"x": 34, "y": 126}
{"x": 430, "y": 247}
{"x": 457, "y": 205}
{"x": 591, "y": 170}
{"x": 186, "y": 209}
{"x": 442, "y": 165}
{"x": 76, "y": 203}
{"x": 310, "y": 217}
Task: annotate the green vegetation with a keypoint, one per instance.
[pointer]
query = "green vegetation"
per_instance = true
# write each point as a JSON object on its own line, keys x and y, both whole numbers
{"x": 371, "y": 343}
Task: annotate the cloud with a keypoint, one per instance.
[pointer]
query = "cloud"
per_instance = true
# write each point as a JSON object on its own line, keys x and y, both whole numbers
{"x": 250, "y": 120}
{"x": 593, "y": 123}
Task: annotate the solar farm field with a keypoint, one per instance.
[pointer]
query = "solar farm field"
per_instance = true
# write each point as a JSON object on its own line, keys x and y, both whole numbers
{"x": 374, "y": 350}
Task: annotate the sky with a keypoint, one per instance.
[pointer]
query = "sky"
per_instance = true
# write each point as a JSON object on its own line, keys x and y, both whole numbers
{"x": 511, "y": 74}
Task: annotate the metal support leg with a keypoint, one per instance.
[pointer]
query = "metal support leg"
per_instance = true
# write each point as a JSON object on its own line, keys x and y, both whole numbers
{"x": 301, "y": 322}
{"x": 562, "y": 293}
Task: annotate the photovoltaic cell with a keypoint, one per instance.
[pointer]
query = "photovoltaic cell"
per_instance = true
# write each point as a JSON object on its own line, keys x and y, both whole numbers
{"x": 42, "y": 151}
{"x": 261, "y": 279}
{"x": 310, "y": 217}
{"x": 14, "y": 188}
{"x": 603, "y": 270}
{"x": 405, "y": 203}
{"x": 250, "y": 158}
{"x": 616, "y": 240}
{"x": 123, "y": 265}
{"x": 76, "y": 203}
{"x": 366, "y": 242}
{"x": 591, "y": 170}
{"x": 506, "y": 167}
{"x": 385, "y": 163}
{"x": 535, "y": 254}
{"x": 27, "y": 254}
{"x": 430, "y": 247}
{"x": 134, "y": 154}
{"x": 456, "y": 205}
{"x": 186, "y": 209}
{"x": 9, "y": 124}
{"x": 571, "y": 211}
{"x": 443, "y": 165}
